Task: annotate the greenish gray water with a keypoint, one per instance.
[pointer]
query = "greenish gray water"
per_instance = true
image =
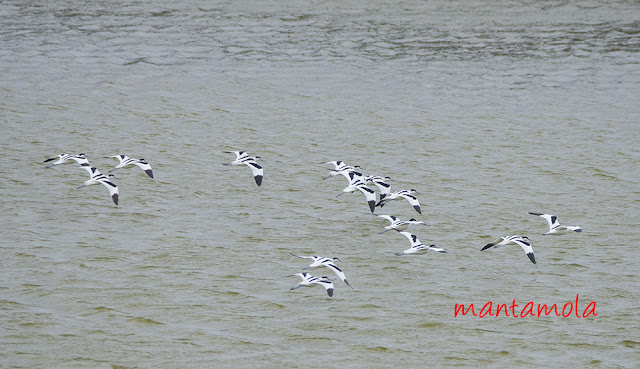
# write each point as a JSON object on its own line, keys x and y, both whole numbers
{"x": 489, "y": 110}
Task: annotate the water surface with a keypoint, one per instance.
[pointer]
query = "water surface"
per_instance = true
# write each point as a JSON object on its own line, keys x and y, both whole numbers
{"x": 489, "y": 110}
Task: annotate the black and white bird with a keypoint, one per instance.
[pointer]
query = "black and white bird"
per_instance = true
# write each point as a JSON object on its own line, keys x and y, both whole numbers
{"x": 309, "y": 280}
{"x": 523, "y": 242}
{"x": 250, "y": 161}
{"x": 66, "y": 159}
{"x": 407, "y": 194}
{"x": 341, "y": 168}
{"x": 356, "y": 182}
{"x": 97, "y": 177}
{"x": 554, "y": 225}
{"x": 125, "y": 160}
{"x": 417, "y": 247}
{"x": 381, "y": 183}
{"x": 397, "y": 223}
{"x": 329, "y": 263}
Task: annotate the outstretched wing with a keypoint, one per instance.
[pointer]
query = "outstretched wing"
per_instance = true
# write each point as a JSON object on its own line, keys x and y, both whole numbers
{"x": 552, "y": 220}
{"x": 79, "y": 159}
{"x": 412, "y": 238}
{"x": 436, "y": 249}
{"x": 390, "y": 218}
{"x": 383, "y": 186}
{"x": 113, "y": 189}
{"x": 413, "y": 201}
{"x": 121, "y": 158}
{"x": 239, "y": 154}
{"x": 526, "y": 246}
{"x": 256, "y": 170}
{"x": 301, "y": 257}
{"x": 494, "y": 243}
{"x": 145, "y": 166}
{"x": 338, "y": 271}
{"x": 370, "y": 195}
{"x": 327, "y": 284}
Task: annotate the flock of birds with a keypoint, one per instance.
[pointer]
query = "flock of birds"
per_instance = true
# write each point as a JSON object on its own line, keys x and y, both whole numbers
{"x": 359, "y": 182}
{"x": 95, "y": 176}
{"x": 356, "y": 182}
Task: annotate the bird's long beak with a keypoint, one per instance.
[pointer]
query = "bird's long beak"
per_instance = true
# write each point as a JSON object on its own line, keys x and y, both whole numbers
{"x": 340, "y": 194}
{"x": 80, "y": 187}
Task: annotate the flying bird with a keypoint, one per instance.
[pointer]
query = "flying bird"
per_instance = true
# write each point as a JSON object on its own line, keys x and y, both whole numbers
{"x": 341, "y": 168}
{"x": 244, "y": 158}
{"x": 356, "y": 182}
{"x": 329, "y": 263}
{"x": 125, "y": 160}
{"x": 554, "y": 225}
{"x": 97, "y": 177}
{"x": 381, "y": 183}
{"x": 406, "y": 194}
{"x": 65, "y": 158}
{"x": 417, "y": 247}
{"x": 397, "y": 223}
{"x": 309, "y": 280}
{"x": 523, "y": 242}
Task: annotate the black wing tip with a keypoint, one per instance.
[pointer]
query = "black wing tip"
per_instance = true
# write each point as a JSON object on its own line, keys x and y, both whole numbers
{"x": 330, "y": 292}
{"x": 258, "y": 180}
{"x": 417, "y": 207}
{"x": 115, "y": 198}
{"x": 532, "y": 258}
{"x": 372, "y": 205}
{"x": 149, "y": 172}
{"x": 538, "y": 214}
{"x": 486, "y": 246}
{"x": 577, "y": 230}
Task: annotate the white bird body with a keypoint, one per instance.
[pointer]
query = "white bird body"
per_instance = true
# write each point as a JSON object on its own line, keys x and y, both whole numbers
{"x": 125, "y": 160}
{"x": 554, "y": 226}
{"x": 417, "y": 247}
{"x": 66, "y": 159}
{"x": 356, "y": 182}
{"x": 398, "y": 224}
{"x": 329, "y": 263}
{"x": 406, "y": 194}
{"x": 381, "y": 183}
{"x": 309, "y": 280}
{"x": 242, "y": 158}
{"x": 523, "y": 242}
{"x": 341, "y": 168}
{"x": 97, "y": 177}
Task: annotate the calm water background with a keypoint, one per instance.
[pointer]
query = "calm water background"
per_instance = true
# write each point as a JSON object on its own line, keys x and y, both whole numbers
{"x": 490, "y": 109}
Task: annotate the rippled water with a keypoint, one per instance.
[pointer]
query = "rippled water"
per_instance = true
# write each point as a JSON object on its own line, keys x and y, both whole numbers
{"x": 489, "y": 110}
